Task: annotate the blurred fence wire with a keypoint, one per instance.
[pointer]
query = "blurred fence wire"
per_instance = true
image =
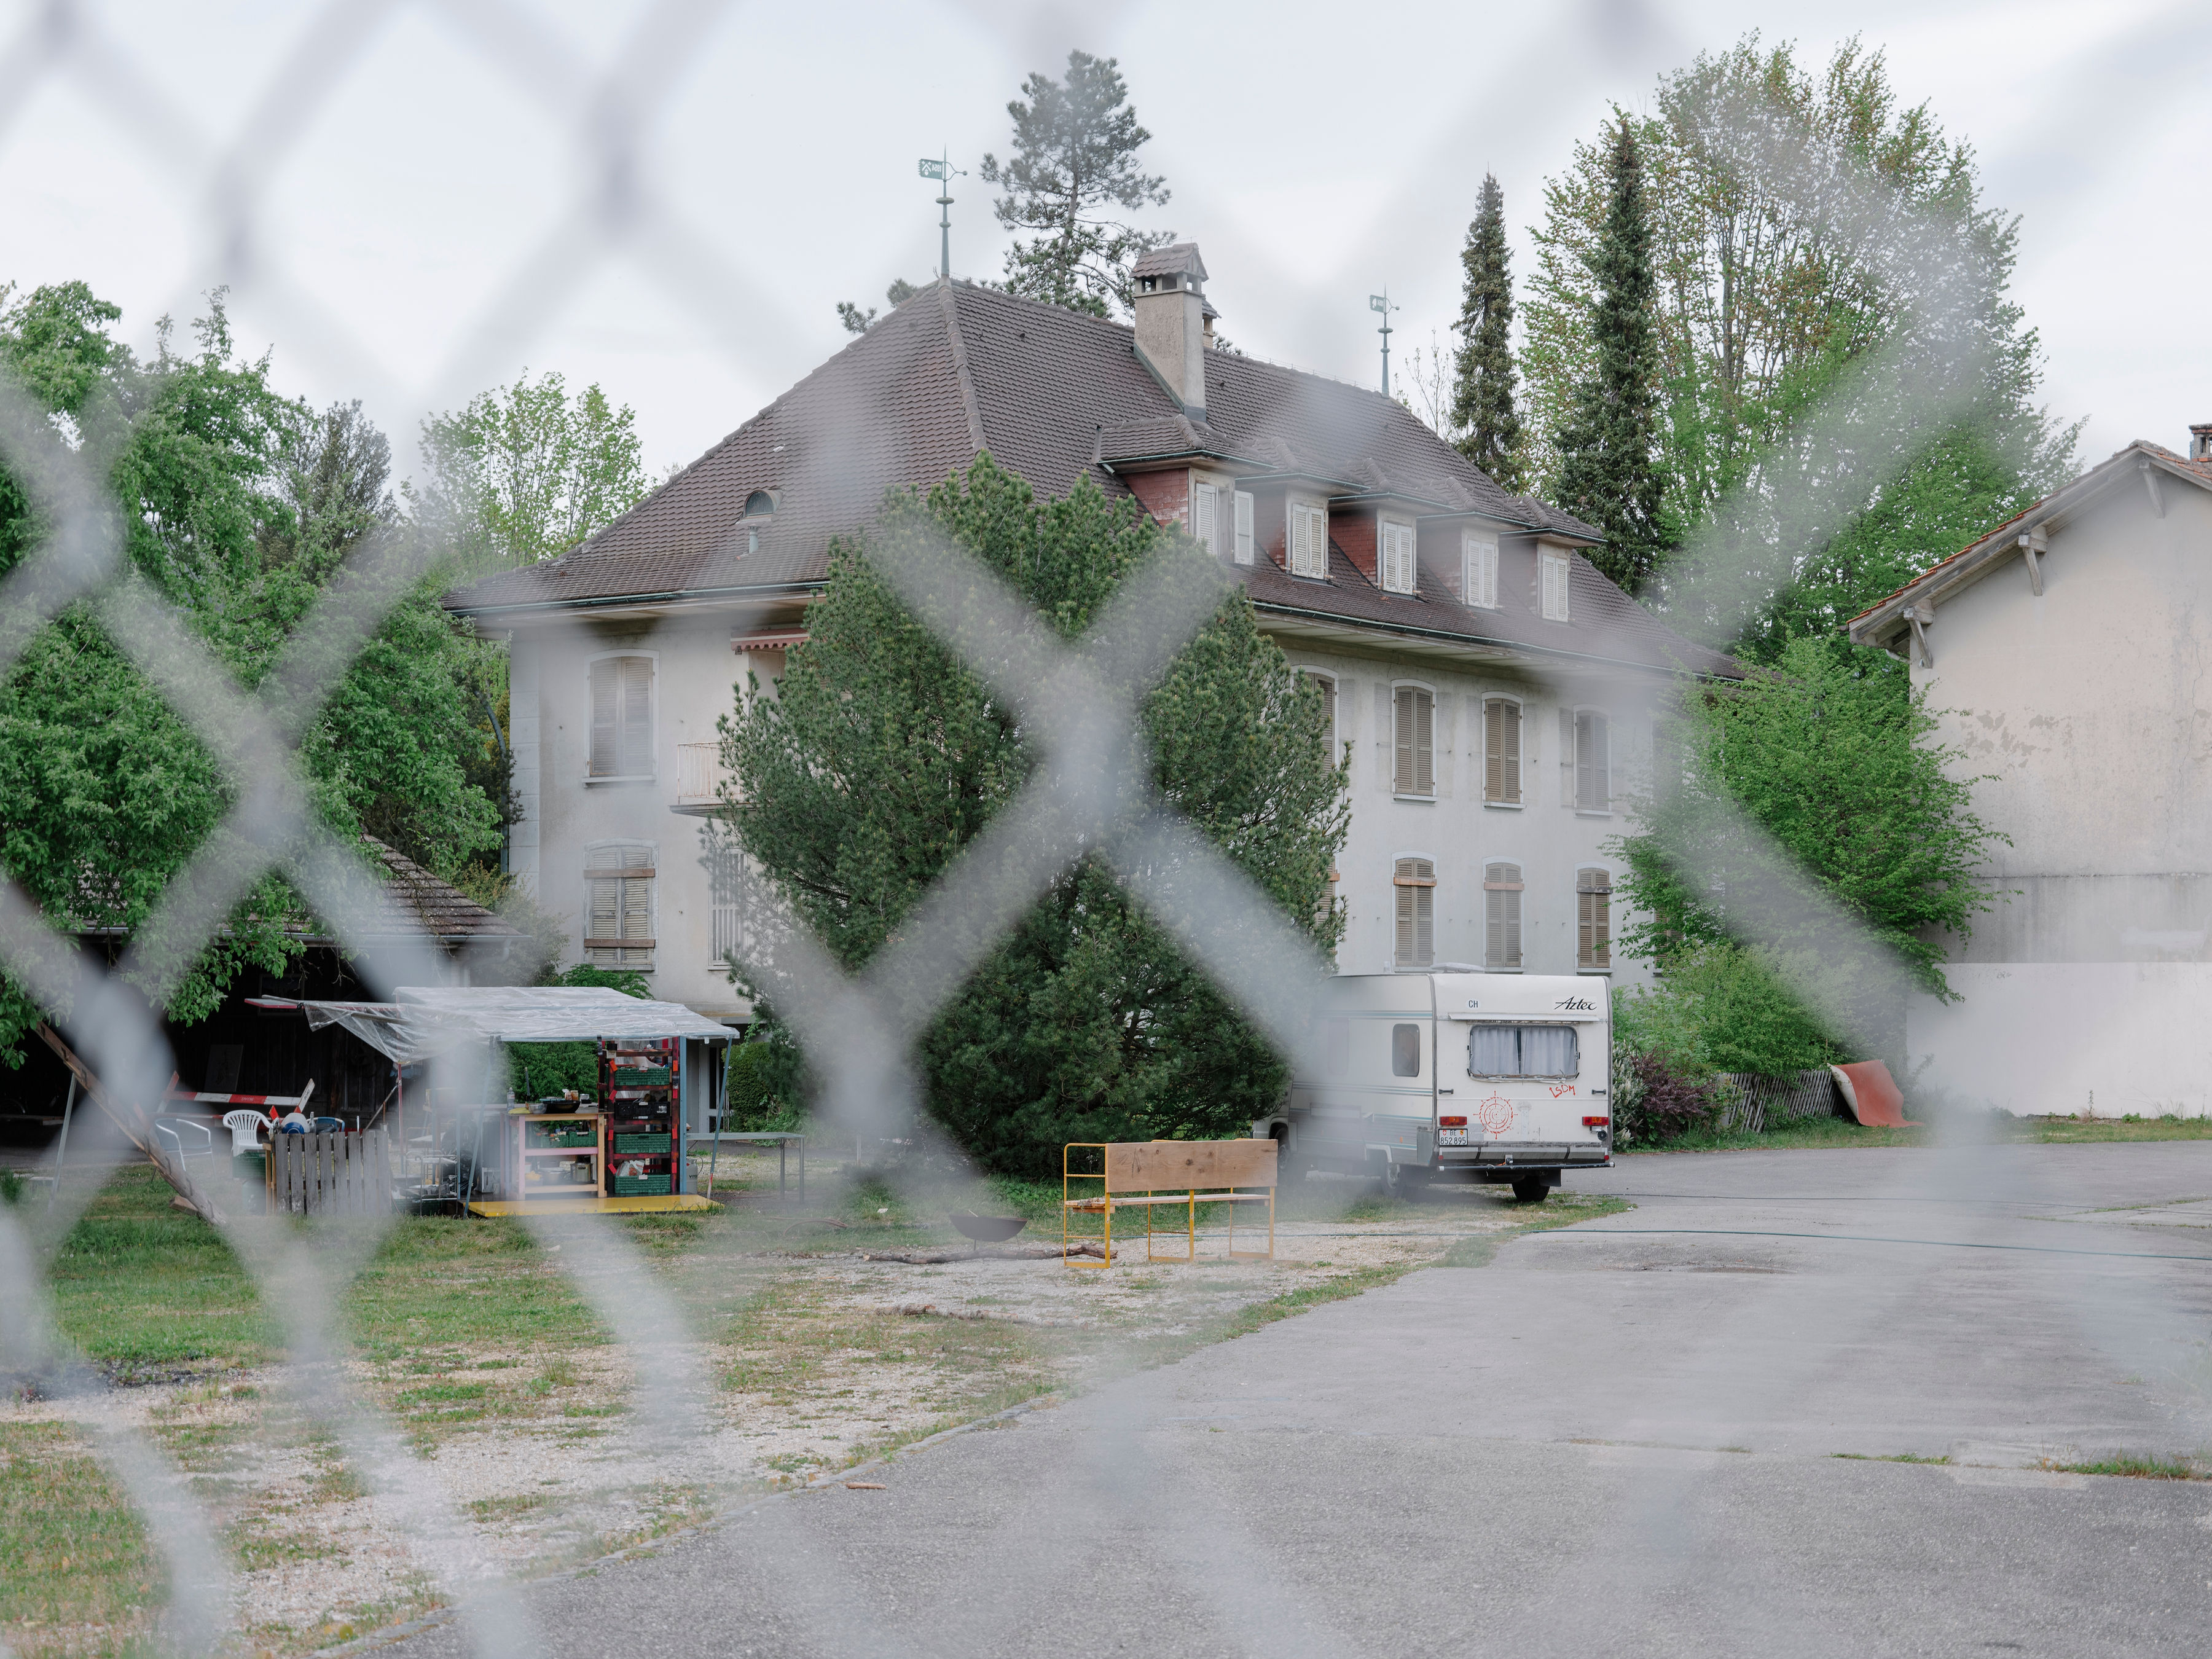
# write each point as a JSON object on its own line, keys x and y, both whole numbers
{"x": 1090, "y": 793}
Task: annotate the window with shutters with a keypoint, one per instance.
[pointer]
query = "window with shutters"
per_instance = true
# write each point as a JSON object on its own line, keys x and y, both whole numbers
{"x": 1243, "y": 553}
{"x": 1501, "y": 751}
{"x": 1415, "y": 884}
{"x": 1308, "y": 539}
{"x": 1205, "y": 516}
{"x": 1478, "y": 570}
{"x": 1552, "y": 576}
{"x": 621, "y": 717}
{"x": 1415, "y": 723}
{"x": 619, "y": 905}
{"x": 1501, "y": 917}
{"x": 1594, "y": 920}
{"x": 1593, "y": 752}
{"x": 1397, "y": 556}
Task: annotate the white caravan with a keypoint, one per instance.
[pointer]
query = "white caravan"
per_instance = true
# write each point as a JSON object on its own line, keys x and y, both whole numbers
{"x": 1455, "y": 1077}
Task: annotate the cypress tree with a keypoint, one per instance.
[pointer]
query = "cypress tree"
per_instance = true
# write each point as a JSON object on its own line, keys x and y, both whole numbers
{"x": 1482, "y": 397}
{"x": 1608, "y": 451}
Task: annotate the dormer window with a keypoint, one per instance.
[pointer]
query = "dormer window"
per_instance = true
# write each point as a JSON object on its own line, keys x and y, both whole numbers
{"x": 759, "y": 505}
{"x": 1478, "y": 570}
{"x": 1308, "y": 539}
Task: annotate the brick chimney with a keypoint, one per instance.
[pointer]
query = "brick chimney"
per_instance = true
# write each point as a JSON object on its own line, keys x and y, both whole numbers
{"x": 1173, "y": 326}
{"x": 2200, "y": 442}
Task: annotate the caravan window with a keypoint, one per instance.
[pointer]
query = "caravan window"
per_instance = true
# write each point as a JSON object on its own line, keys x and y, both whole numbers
{"x": 1405, "y": 1051}
{"x": 1522, "y": 1051}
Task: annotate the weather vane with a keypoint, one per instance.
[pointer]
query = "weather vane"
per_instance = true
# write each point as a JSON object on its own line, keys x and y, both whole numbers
{"x": 1382, "y": 302}
{"x": 943, "y": 171}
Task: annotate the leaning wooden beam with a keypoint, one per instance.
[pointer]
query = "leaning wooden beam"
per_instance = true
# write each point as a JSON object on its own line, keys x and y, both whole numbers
{"x": 136, "y": 1129}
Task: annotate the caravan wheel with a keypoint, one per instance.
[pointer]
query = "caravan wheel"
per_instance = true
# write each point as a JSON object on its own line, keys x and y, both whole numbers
{"x": 1532, "y": 1189}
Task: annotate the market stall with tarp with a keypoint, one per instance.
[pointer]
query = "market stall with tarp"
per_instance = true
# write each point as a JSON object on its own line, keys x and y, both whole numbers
{"x": 618, "y": 1148}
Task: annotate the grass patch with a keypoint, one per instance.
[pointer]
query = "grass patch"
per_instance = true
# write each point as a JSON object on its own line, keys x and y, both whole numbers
{"x": 1893, "y": 1457}
{"x": 1817, "y": 1133}
{"x": 2064, "y": 1130}
{"x": 2134, "y": 1469}
{"x": 73, "y": 1552}
{"x": 136, "y": 1283}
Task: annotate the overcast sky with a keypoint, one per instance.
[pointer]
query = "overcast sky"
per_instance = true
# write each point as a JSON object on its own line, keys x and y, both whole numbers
{"x": 417, "y": 181}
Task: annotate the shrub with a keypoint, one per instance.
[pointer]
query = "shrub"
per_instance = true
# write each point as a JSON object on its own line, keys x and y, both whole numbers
{"x": 757, "y": 1101}
{"x": 1653, "y": 1103}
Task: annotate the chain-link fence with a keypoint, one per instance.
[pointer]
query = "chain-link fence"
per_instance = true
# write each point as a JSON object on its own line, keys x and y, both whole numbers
{"x": 1205, "y": 1558}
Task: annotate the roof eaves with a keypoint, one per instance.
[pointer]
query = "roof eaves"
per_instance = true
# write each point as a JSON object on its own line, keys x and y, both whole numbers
{"x": 679, "y": 597}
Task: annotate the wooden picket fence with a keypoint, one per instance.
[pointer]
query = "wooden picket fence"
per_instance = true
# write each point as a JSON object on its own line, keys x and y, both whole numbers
{"x": 331, "y": 1174}
{"x": 1751, "y": 1101}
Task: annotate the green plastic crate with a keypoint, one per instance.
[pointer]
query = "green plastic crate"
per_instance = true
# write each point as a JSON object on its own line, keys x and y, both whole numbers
{"x": 586, "y": 1135}
{"x": 640, "y": 1186}
{"x": 641, "y": 1143}
{"x": 640, "y": 1076}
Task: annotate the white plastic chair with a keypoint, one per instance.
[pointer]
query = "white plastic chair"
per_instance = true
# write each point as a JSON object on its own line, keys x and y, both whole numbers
{"x": 245, "y": 1129}
{"x": 170, "y": 1132}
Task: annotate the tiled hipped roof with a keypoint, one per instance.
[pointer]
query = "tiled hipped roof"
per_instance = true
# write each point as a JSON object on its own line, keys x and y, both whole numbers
{"x": 412, "y": 903}
{"x": 1054, "y": 394}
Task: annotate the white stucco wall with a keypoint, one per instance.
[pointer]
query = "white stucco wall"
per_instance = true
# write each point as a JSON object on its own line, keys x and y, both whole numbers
{"x": 1549, "y": 840}
{"x": 696, "y": 672}
{"x": 2086, "y": 716}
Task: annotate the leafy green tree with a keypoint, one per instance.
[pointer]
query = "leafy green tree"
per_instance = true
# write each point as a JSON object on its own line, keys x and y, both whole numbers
{"x": 881, "y": 755}
{"x": 524, "y": 472}
{"x": 1813, "y": 242}
{"x": 1609, "y": 448}
{"x": 1817, "y": 780}
{"x": 236, "y": 505}
{"x": 1482, "y": 392}
{"x": 1075, "y": 160}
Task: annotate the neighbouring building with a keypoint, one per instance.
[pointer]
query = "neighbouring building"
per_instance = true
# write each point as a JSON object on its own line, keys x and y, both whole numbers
{"x": 1492, "y": 689}
{"x": 2068, "y": 656}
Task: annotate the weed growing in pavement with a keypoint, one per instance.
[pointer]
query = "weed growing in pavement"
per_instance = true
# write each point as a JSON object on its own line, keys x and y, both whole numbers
{"x": 2134, "y": 1469}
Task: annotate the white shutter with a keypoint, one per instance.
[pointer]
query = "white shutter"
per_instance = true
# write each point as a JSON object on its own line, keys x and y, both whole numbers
{"x": 1415, "y": 880}
{"x": 1593, "y": 784}
{"x": 1243, "y": 554}
{"x": 606, "y": 680}
{"x": 1424, "y": 751}
{"x": 1308, "y": 541}
{"x": 1205, "y": 516}
{"x": 1397, "y": 557}
{"x": 1594, "y": 919}
{"x": 1554, "y": 593}
{"x": 1402, "y": 734}
{"x": 1501, "y": 912}
{"x": 1479, "y": 584}
{"x": 1501, "y": 724}
{"x": 637, "y": 717}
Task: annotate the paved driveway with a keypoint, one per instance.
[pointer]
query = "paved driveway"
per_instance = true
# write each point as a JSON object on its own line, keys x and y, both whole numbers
{"x": 1655, "y": 1434}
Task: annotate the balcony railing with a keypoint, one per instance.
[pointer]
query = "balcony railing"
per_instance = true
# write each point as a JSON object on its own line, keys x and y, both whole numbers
{"x": 699, "y": 777}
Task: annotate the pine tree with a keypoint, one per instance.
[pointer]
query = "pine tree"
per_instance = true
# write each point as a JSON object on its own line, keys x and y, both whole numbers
{"x": 1608, "y": 451}
{"x": 1482, "y": 398}
{"x": 1075, "y": 155}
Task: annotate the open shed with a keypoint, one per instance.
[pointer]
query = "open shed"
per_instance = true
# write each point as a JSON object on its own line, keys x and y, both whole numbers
{"x": 621, "y": 1149}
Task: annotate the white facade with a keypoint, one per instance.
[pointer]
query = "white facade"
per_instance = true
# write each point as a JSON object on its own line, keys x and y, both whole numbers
{"x": 576, "y": 826}
{"x": 2083, "y": 714}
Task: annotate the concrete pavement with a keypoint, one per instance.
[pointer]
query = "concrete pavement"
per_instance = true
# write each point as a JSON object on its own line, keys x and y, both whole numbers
{"x": 1641, "y": 1436}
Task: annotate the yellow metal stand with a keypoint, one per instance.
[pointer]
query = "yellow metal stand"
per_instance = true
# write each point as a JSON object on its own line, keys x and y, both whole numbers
{"x": 651, "y": 1204}
{"x": 1214, "y": 1172}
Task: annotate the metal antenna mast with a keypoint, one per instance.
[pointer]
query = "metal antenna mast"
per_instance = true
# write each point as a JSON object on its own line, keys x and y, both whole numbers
{"x": 1382, "y": 302}
{"x": 943, "y": 171}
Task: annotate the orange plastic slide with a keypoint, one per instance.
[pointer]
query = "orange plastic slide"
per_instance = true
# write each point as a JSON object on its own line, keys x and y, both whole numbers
{"x": 1873, "y": 1095}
